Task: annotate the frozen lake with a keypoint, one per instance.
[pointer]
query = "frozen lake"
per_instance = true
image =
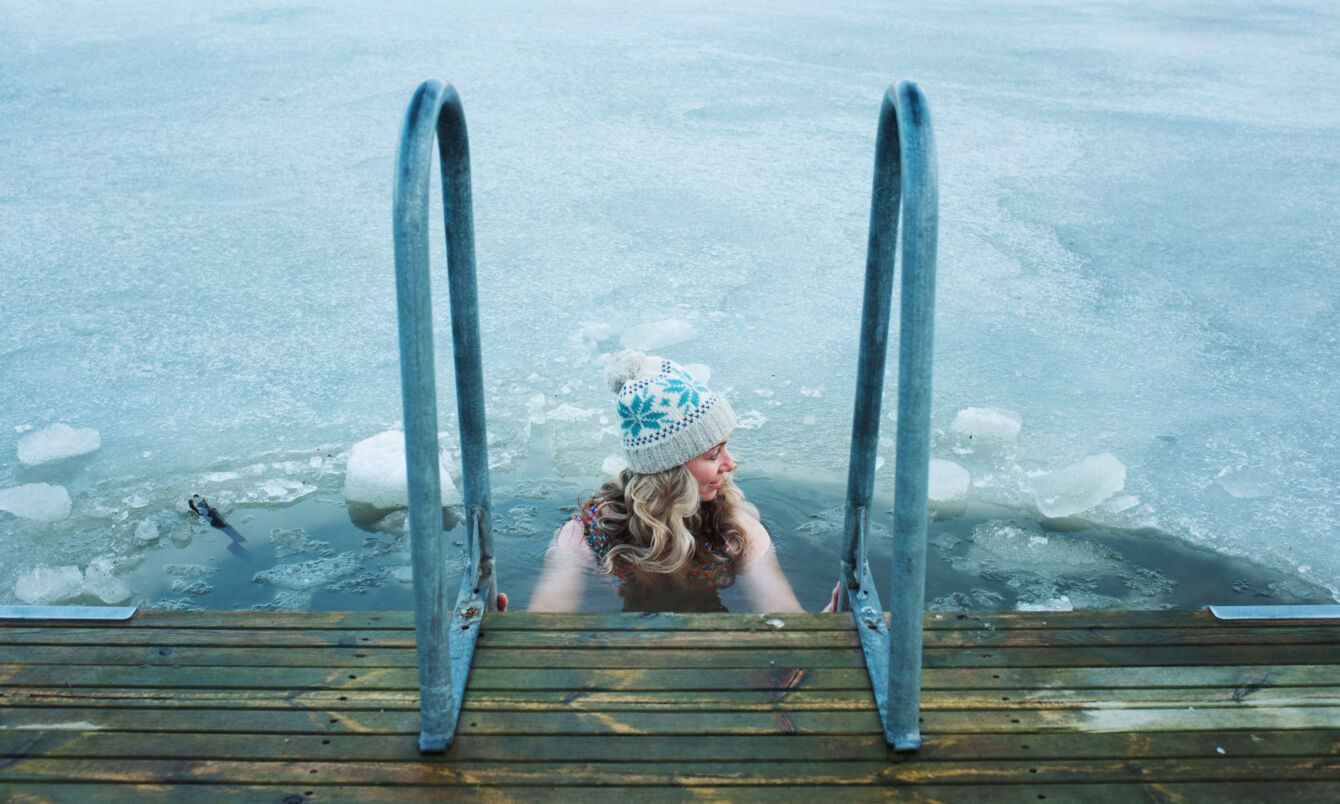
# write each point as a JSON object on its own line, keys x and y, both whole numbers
{"x": 1137, "y": 254}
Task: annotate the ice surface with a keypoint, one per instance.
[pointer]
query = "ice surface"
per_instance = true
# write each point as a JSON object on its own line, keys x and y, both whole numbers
{"x": 991, "y": 424}
{"x": 376, "y": 473}
{"x": 57, "y": 442}
{"x": 40, "y": 501}
{"x": 703, "y": 164}
{"x": 1080, "y": 486}
{"x": 42, "y": 586}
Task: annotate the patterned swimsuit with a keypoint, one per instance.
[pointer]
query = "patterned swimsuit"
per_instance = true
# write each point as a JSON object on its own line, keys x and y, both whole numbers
{"x": 699, "y": 590}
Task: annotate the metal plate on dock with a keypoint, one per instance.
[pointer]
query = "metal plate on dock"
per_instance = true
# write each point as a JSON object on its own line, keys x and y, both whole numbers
{"x": 67, "y": 612}
{"x": 1317, "y": 612}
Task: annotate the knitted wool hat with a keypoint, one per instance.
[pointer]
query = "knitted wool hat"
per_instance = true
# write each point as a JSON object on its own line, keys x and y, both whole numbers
{"x": 666, "y": 416}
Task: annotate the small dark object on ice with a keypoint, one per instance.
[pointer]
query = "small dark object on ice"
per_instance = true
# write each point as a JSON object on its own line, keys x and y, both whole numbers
{"x": 202, "y": 507}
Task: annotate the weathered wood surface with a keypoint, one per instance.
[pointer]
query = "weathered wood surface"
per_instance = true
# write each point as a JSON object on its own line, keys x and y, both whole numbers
{"x": 323, "y": 706}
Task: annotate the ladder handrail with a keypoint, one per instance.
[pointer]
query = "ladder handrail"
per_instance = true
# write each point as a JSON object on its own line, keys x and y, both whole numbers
{"x": 905, "y": 175}
{"x": 445, "y": 643}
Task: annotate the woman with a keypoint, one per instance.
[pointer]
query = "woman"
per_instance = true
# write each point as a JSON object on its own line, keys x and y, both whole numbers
{"x": 672, "y": 530}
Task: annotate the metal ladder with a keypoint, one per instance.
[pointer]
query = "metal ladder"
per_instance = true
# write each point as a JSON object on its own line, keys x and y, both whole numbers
{"x": 904, "y": 179}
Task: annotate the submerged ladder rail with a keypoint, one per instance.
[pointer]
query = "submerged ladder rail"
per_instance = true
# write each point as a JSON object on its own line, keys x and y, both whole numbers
{"x": 446, "y": 640}
{"x": 905, "y": 178}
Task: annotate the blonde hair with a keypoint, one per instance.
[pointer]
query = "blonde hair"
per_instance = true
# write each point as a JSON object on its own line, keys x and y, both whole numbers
{"x": 657, "y": 525}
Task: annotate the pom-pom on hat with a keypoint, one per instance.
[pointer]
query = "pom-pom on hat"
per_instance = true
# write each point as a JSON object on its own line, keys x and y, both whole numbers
{"x": 666, "y": 417}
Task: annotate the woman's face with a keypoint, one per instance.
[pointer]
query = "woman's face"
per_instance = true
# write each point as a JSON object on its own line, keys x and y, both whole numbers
{"x": 710, "y": 470}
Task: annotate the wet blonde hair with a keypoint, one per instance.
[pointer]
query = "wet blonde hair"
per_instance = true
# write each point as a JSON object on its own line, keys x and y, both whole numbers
{"x": 658, "y": 526}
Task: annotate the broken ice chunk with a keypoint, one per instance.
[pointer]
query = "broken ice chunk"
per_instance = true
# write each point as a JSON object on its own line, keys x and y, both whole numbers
{"x": 41, "y": 586}
{"x": 991, "y": 424}
{"x": 307, "y": 575}
{"x": 613, "y": 465}
{"x": 700, "y": 372}
{"x": 39, "y": 501}
{"x": 658, "y": 334}
{"x": 375, "y": 474}
{"x": 57, "y": 442}
{"x": 948, "y": 481}
{"x": 1080, "y": 486}
{"x": 1245, "y": 483}
{"x": 1061, "y": 603}
{"x": 147, "y": 532}
{"x": 100, "y": 583}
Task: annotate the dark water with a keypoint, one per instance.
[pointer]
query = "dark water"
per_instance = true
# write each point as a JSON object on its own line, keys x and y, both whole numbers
{"x": 317, "y": 554}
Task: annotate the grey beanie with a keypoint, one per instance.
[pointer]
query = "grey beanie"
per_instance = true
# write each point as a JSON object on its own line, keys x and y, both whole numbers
{"x": 665, "y": 415}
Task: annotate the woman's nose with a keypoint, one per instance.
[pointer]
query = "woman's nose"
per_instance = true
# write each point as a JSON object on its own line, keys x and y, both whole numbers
{"x": 730, "y": 464}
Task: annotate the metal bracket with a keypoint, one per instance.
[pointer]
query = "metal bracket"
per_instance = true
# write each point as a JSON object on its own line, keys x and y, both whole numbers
{"x": 91, "y": 613}
{"x": 1321, "y": 612}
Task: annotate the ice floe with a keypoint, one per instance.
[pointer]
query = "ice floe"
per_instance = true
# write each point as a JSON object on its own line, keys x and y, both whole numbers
{"x": 655, "y": 335}
{"x": 101, "y": 583}
{"x": 57, "y": 442}
{"x": 42, "y": 502}
{"x": 41, "y": 586}
{"x": 1078, "y": 487}
{"x": 375, "y": 474}
{"x": 990, "y": 424}
{"x": 948, "y": 481}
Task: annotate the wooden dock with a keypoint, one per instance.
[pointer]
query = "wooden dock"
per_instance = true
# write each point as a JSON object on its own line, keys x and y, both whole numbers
{"x": 298, "y": 707}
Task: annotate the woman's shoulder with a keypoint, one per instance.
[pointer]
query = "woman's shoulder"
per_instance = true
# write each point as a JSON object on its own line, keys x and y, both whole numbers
{"x": 760, "y": 542}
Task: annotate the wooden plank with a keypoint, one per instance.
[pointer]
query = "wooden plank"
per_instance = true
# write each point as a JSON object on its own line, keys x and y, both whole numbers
{"x": 669, "y": 700}
{"x": 765, "y": 637}
{"x": 444, "y": 773}
{"x": 160, "y": 793}
{"x": 219, "y": 637}
{"x": 640, "y": 722}
{"x": 1244, "y": 678}
{"x": 315, "y": 721}
{"x": 1096, "y": 637}
{"x": 1161, "y": 655}
{"x": 291, "y": 678}
{"x": 674, "y": 747}
{"x": 209, "y": 656}
{"x": 400, "y": 657}
{"x": 630, "y": 747}
{"x": 499, "y": 621}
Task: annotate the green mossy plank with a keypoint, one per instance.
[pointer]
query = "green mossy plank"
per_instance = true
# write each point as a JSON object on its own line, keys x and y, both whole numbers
{"x": 671, "y": 748}
{"x": 433, "y": 771}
